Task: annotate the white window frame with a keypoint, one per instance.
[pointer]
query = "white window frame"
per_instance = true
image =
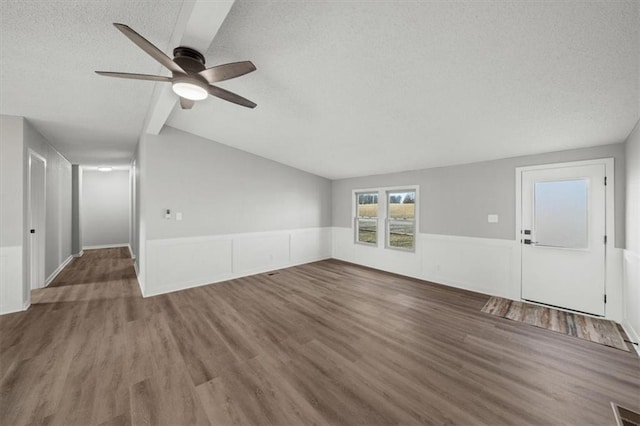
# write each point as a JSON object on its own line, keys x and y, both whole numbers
{"x": 389, "y": 220}
{"x": 356, "y": 219}
{"x": 382, "y": 214}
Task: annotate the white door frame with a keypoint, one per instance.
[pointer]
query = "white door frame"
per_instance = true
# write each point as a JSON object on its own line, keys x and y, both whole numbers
{"x": 32, "y": 154}
{"x": 609, "y": 215}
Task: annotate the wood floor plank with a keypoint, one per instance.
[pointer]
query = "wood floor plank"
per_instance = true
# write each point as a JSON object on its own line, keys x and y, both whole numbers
{"x": 323, "y": 343}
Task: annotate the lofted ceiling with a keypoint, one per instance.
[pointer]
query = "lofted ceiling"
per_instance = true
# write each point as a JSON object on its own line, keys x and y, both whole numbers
{"x": 343, "y": 88}
{"x": 357, "y": 88}
{"x": 48, "y": 53}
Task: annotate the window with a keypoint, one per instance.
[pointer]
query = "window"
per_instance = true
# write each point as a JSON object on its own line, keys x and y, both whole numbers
{"x": 366, "y": 220}
{"x": 401, "y": 219}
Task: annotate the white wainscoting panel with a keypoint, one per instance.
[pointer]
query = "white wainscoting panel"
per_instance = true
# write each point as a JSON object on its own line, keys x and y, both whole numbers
{"x": 485, "y": 265}
{"x": 307, "y": 245}
{"x": 181, "y": 263}
{"x": 479, "y": 264}
{"x": 254, "y": 254}
{"x": 11, "y": 280}
{"x": 631, "y": 296}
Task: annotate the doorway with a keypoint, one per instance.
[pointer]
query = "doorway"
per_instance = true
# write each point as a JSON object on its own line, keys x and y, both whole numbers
{"x": 36, "y": 219}
{"x": 563, "y": 234}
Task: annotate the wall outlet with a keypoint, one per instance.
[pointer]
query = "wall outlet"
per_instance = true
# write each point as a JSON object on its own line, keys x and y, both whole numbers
{"x": 178, "y": 216}
{"x": 167, "y": 214}
{"x": 492, "y": 218}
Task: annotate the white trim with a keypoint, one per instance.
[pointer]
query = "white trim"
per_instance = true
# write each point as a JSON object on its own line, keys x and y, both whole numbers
{"x": 78, "y": 254}
{"x": 133, "y": 256}
{"x": 59, "y": 269}
{"x": 382, "y": 191}
{"x": 104, "y": 246}
{"x": 27, "y": 227}
{"x": 611, "y": 268}
{"x": 12, "y": 289}
{"x": 631, "y": 334}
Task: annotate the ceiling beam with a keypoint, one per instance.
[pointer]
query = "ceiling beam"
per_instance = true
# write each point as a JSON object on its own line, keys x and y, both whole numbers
{"x": 197, "y": 25}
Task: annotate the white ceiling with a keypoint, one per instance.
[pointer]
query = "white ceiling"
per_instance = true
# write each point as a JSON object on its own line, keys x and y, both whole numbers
{"x": 357, "y": 88}
{"x": 343, "y": 88}
{"x": 49, "y": 51}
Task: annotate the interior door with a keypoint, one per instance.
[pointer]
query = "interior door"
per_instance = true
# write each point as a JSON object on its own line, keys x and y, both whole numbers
{"x": 563, "y": 237}
{"x": 37, "y": 172}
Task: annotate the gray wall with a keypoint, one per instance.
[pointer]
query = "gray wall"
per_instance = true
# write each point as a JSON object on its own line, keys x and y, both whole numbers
{"x": 222, "y": 190}
{"x": 632, "y": 259}
{"x": 105, "y": 208}
{"x": 76, "y": 224}
{"x": 456, "y": 200}
{"x": 633, "y": 191}
{"x": 11, "y": 181}
{"x": 57, "y": 199}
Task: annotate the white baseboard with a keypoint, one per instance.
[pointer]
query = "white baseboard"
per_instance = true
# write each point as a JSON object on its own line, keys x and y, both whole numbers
{"x": 181, "y": 263}
{"x": 104, "y": 246}
{"x": 55, "y": 273}
{"x": 631, "y": 296}
{"x": 11, "y": 280}
{"x": 133, "y": 256}
{"x": 79, "y": 254}
{"x": 632, "y": 335}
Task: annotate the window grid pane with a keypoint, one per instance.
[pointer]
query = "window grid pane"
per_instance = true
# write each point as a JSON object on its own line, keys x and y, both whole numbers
{"x": 367, "y": 231}
{"x": 401, "y": 234}
{"x": 401, "y": 214}
{"x": 401, "y": 204}
{"x": 367, "y": 204}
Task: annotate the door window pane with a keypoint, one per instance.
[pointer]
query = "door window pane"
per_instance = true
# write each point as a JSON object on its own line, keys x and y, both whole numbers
{"x": 560, "y": 213}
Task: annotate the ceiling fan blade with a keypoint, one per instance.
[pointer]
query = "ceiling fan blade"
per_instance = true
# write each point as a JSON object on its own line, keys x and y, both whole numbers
{"x": 186, "y": 103}
{"x": 227, "y": 71}
{"x": 231, "y": 97}
{"x": 148, "y": 47}
{"x": 134, "y": 76}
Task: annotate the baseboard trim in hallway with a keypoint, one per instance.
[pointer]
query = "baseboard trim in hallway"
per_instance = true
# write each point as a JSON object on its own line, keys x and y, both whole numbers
{"x": 55, "y": 273}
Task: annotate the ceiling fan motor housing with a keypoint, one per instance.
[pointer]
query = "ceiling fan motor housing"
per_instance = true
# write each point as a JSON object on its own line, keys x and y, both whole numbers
{"x": 189, "y": 59}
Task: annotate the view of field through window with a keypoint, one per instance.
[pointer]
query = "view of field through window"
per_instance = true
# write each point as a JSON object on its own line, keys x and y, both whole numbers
{"x": 367, "y": 220}
{"x": 401, "y": 224}
{"x": 401, "y": 218}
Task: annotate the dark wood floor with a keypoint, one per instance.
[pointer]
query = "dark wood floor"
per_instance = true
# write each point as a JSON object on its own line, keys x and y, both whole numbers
{"x": 323, "y": 343}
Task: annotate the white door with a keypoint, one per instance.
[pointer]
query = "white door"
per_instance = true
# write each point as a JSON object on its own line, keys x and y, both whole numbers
{"x": 36, "y": 216}
{"x": 563, "y": 237}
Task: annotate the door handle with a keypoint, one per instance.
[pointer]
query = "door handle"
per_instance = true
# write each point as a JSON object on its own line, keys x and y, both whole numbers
{"x": 33, "y": 231}
{"x": 528, "y": 241}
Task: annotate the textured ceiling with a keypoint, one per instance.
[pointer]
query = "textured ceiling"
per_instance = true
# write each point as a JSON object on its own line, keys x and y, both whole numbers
{"x": 48, "y": 53}
{"x": 357, "y": 88}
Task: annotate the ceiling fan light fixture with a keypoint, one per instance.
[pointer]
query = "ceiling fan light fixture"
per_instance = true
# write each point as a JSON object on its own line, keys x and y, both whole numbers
{"x": 190, "y": 91}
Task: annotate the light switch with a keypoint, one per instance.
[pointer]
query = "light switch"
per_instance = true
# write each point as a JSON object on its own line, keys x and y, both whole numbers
{"x": 492, "y": 218}
{"x": 178, "y": 215}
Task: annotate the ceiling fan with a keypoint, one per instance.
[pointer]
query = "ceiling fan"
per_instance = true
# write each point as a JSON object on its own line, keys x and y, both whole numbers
{"x": 190, "y": 79}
